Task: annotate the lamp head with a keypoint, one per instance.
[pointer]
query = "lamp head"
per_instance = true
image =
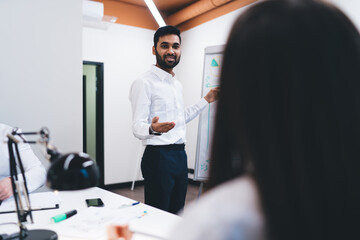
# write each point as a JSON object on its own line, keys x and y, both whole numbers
{"x": 73, "y": 171}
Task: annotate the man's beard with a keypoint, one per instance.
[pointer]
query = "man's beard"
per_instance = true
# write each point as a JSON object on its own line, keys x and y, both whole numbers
{"x": 162, "y": 62}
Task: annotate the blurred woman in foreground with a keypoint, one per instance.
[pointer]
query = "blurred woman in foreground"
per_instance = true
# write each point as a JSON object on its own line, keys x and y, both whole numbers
{"x": 285, "y": 159}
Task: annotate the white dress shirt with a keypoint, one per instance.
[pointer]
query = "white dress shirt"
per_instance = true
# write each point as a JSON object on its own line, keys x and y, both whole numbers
{"x": 35, "y": 172}
{"x": 158, "y": 93}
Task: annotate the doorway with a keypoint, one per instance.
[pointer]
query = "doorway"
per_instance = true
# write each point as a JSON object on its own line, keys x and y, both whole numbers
{"x": 93, "y": 113}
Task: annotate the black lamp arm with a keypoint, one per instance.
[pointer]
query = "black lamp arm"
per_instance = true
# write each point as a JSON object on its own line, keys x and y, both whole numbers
{"x": 22, "y": 170}
{"x": 83, "y": 173}
{"x": 44, "y": 135}
{"x": 15, "y": 159}
{"x": 44, "y": 139}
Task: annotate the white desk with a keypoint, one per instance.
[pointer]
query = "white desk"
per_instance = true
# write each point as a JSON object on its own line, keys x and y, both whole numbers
{"x": 91, "y": 223}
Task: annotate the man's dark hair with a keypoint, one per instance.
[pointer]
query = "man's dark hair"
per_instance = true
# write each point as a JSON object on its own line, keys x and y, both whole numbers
{"x": 166, "y": 30}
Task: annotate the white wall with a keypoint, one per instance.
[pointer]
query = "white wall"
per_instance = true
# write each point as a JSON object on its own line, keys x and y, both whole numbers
{"x": 41, "y": 73}
{"x": 41, "y": 68}
{"x": 126, "y": 53}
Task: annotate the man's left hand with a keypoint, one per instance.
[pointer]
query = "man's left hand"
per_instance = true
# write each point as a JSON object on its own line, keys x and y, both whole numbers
{"x": 212, "y": 95}
{"x": 5, "y": 188}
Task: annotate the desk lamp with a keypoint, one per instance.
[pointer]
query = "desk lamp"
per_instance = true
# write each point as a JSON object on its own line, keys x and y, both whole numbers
{"x": 71, "y": 171}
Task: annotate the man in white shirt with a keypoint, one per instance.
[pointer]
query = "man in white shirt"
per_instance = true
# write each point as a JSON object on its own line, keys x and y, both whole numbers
{"x": 35, "y": 172}
{"x": 159, "y": 120}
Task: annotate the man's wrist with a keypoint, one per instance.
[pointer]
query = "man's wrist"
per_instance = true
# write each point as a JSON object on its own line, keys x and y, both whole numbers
{"x": 206, "y": 99}
{"x": 153, "y": 132}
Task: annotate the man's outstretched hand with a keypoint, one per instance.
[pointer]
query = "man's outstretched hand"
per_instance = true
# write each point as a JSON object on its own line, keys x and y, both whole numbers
{"x": 161, "y": 127}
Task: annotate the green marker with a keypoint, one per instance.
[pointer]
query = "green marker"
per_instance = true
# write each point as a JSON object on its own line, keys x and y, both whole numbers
{"x": 63, "y": 216}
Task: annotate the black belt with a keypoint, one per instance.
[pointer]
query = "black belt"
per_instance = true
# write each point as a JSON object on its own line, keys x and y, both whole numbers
{"x": 171, "y": 147}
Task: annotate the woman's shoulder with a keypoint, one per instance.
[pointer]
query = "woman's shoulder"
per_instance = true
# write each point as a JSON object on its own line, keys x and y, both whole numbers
{"x": 229, "y": 211}
{"x": 241, "y": 189}
{"x": 238, "y": 197}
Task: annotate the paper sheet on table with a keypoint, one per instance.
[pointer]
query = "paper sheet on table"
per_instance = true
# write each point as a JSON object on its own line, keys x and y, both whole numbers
{"x": 93, "y": 222}
{"x": 155, "y": 226}
{"x": 37, "y": 201}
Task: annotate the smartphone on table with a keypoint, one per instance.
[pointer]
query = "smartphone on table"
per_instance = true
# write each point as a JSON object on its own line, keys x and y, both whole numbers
{"x": 94, "y": 202}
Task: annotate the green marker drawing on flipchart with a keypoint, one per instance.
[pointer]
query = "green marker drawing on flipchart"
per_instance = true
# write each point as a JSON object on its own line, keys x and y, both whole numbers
{"x": 214, "y": 63}
{"x": 211, "y": 86}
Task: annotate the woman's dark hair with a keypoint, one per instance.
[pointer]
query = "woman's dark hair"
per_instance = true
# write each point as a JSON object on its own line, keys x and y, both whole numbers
{"x": 166, "y": 30}
{"x": 289, "y": 116}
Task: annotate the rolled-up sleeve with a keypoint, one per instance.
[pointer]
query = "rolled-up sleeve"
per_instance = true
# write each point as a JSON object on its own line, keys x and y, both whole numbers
{"x": 193, "y": 111}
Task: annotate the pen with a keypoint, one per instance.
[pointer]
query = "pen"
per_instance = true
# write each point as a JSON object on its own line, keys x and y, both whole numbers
{"x": 129, "y": 205}
{"x": 135, "y": 203}
{"x": 63, "y": 216}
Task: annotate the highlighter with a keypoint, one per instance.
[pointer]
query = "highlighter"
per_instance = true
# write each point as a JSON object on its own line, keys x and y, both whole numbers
{"x": 63, "y": 216}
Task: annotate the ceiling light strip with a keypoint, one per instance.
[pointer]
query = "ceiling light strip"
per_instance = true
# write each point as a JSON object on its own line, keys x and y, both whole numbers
{"x": 155, "y": 12}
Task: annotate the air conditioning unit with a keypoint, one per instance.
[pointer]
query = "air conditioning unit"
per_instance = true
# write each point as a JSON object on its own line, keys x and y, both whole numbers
{"x": 93, "y": 15}
{"x": 93, "y": 11}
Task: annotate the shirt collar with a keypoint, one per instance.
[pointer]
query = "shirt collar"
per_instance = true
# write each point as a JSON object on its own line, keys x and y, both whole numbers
{"x": 163, "y": 75}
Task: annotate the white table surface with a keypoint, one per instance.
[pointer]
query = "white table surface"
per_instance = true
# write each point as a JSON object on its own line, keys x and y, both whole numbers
{"x": 94, "y": 221}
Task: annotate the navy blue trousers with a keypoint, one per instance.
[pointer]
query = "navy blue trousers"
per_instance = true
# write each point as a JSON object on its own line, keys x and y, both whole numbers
{"x": 165, "y": 173}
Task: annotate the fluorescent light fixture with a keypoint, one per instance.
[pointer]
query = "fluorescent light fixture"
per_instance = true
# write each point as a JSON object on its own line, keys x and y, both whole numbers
{"x": 154, "y": 11}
